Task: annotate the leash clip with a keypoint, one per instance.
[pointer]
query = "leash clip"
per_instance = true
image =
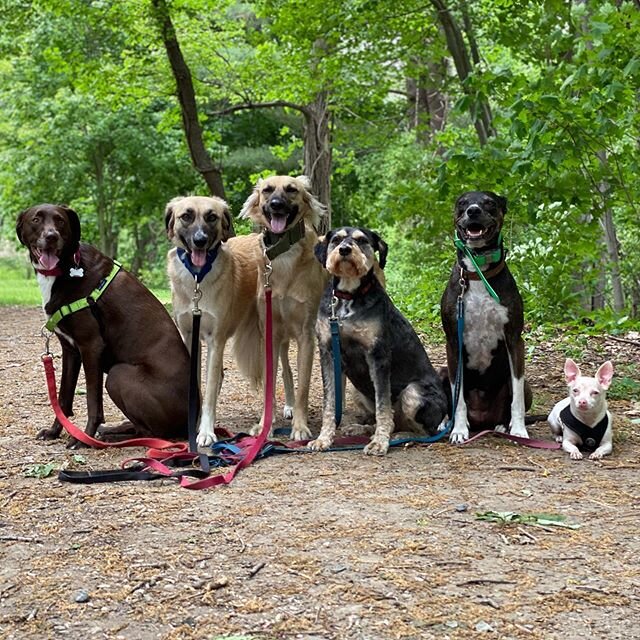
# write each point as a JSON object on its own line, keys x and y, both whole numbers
{"x": 334, "y": 305}
{"x": 197, "y": 296}
{"x": 46, "y": 334}
{"x": 268, "y": 269}
{"x": 463, "y": 284}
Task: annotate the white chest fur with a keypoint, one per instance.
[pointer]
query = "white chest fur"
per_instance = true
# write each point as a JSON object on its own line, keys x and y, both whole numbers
{"x": 46, "y": 284}
{"x": 484, "y": 321}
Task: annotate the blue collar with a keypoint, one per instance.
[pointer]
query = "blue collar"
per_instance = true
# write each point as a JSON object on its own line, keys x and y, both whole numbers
{"x": 198, "y": 272}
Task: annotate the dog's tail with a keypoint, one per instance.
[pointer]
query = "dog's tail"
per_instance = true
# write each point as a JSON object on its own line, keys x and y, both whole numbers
{"x": 248, "y": 349}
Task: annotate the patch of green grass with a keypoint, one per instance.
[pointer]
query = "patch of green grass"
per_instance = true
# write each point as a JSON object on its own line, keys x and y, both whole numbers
{"x": 624, "y": 388}
{"x": 18, "y": 285}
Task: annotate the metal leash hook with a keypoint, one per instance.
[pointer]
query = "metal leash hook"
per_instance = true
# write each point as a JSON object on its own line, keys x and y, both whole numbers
{"x": 46, "y": 334}
{"x": 334, "y": 306}
{"x": 268, "y": 269}
{"x": 197, "y": 296}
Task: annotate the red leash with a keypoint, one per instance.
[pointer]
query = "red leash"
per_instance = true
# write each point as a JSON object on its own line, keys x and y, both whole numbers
{"x": 158, "y": 448}
{"x": 527, "y": 442}
{"x": 160, "y": 451}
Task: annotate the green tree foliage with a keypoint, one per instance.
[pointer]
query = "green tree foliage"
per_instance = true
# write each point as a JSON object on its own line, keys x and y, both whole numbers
{"x": 90, "y": 116}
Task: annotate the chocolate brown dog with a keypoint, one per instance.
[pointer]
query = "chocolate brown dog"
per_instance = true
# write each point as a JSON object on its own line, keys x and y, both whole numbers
{"x": 121, "y": 330}
{"x": 494, "y": 392}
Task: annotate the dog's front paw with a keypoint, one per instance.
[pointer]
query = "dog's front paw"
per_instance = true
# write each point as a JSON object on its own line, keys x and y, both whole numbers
{"x": 377, "y": 447}
{"x": 576, "y": 455}
{"x": 205, "y": 438}
{"x": 459, "y": 435}
{"x": 596, "y": 455}
{"x": 49, "y": 434}
{"x": 519, "y": 430}
{"x": 300, "y": 432}
{"x": 287, "y": 412}
{"x": 206, "y": 434}
{"x": 321, "y": 443}
{"x": 256, "y": 430}
{"x": 72, "y": 443}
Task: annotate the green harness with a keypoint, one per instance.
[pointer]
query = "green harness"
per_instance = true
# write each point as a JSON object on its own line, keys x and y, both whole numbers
{"x": 68, "y": 309}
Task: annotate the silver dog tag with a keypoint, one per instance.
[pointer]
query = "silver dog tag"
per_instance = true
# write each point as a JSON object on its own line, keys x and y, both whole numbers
{"x": 76, "y": 272}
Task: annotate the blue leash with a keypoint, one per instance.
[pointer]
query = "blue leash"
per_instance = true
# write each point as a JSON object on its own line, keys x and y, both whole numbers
{"x": 337, "y": 359}
{"x": 337, "y": 376}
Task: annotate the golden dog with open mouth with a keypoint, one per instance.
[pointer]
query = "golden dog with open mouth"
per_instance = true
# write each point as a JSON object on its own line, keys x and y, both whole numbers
{"x": 226, "y": 269}
{"x": 288, "y": 215}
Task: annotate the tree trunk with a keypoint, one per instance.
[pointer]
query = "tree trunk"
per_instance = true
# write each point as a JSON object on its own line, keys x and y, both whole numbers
{"x": 611, "y": 240}
{"x": 317, "y": 152}
{"x": 187, "y": 98}
{"x": 427, "y": 106}
{"x": 479, "y": 109}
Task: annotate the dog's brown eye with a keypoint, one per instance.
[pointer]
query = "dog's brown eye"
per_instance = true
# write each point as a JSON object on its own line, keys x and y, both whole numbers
{"x": 186, "y": 217}
{"x": 210, "y": 216}
{"x": 290, "y": 189}
{"x": 268, "y": 189}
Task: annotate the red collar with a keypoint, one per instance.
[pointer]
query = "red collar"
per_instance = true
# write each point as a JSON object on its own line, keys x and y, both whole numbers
{"x": 57, "y": 270}
{"x": 365, "y": 284}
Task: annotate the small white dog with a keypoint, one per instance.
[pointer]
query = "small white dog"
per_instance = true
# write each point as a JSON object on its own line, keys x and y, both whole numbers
{"x": 582, "y": 419}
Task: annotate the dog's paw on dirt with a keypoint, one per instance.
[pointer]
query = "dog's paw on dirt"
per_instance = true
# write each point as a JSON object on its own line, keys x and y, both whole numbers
{"x": 377, "y": 447}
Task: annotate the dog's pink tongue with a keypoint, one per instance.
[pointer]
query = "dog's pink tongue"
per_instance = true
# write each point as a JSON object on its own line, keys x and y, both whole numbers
{"x": 278, "y": 224}
{"x": 48, "y": 260}
{"x": 199, "y": 257}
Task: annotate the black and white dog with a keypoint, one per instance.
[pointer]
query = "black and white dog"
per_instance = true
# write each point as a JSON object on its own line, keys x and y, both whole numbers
{"x": 494, "y": 392}
{"x": 380, "y": 352}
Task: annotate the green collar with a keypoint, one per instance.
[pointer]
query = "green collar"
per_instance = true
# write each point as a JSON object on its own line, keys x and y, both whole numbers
{"x": 83, "y": 303}
{"x": 276, "y": 244}
{"x": 481, "y": 260}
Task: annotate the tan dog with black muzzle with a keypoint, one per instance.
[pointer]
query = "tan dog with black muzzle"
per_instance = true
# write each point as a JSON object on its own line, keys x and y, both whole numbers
{"x": 227, "y": 270}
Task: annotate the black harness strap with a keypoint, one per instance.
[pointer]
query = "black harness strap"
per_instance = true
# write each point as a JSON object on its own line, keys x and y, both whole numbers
{"x": 591, "y": 436}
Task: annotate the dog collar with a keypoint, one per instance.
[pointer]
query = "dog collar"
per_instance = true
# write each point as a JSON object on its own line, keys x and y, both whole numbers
{"x": 483, "y": 258}
{"x": 591, "y": 436}
{"x": 276, "y": 244}
{"x": 365, "y": 285}
{"x": 83, "y": 303}
{"x": 198, "y": 272}
{"x": 491, "y": 273}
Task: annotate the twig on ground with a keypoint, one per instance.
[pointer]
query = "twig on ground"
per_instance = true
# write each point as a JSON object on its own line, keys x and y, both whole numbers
{"x": 515, "y": 468}
{"x": 19, "y": 539}
{"x": 484, "y": 581}
{"x": 256, "y": 568}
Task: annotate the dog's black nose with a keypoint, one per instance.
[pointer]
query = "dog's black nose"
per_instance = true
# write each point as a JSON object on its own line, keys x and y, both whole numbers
{"x": 344, "y": 250}
{"x": 200, "y": 239}
{"x": 473, "y": 210}
{"x": 277, "y": 204}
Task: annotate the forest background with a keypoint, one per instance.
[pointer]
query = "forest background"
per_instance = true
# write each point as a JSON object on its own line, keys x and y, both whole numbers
{"x": 392, "y": 109}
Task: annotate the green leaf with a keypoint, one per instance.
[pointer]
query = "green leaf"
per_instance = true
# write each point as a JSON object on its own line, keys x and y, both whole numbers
{"x": 40, "y": 470}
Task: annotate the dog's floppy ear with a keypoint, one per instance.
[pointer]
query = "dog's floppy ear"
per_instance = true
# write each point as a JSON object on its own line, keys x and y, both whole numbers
{"x": 380, "y": 246}
{"x": 251, "y": 203}
{"x": 571, "y": 370}
{"x": 320, "y": 250}
{"x": 502, "y": 203}
{"x": 169, "y": 217}
{"x": 318, "y": 210}
{"x": 604, "y": 374}
{"x": 20, "y": 224}
{"x": 74, "y": 224}
{"x": 227, "y": 224}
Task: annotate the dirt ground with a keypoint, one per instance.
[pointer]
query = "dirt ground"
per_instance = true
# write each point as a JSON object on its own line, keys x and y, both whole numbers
{"x": 318, "y": 546}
